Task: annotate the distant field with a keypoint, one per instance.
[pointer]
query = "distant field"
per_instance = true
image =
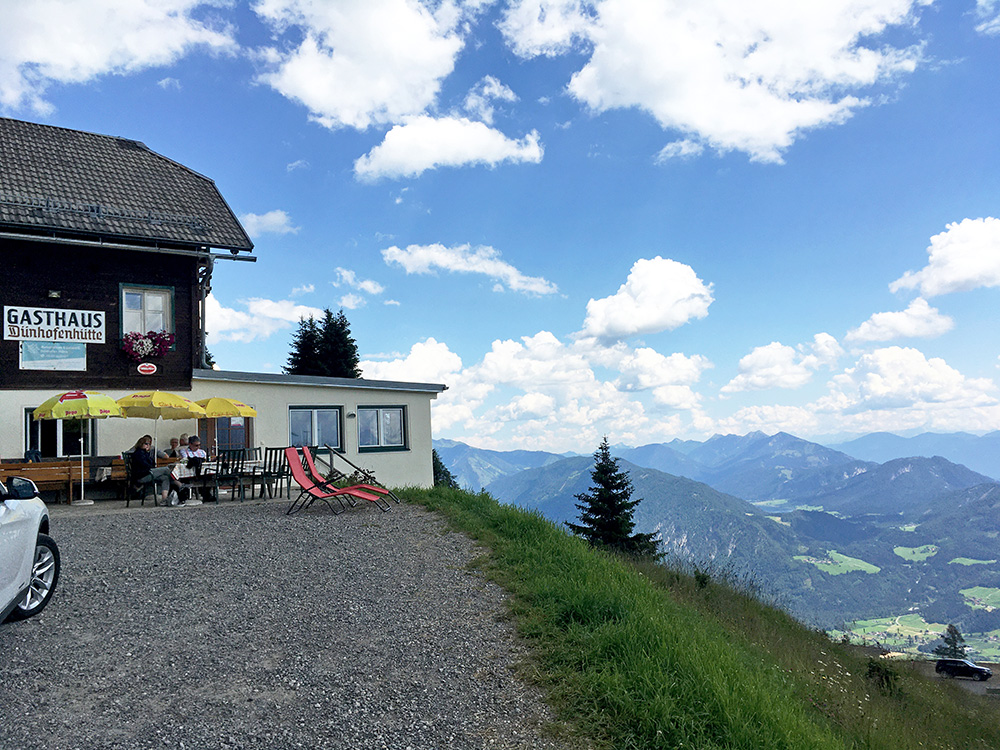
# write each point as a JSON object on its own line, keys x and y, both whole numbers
{"x": 916, "y": 554}
{"x": 908, "y": 527}
{"x": 906, "y": 632}
{"x": 835, "y": 563}
{"x": 777, "y": 519}
{"x": 969, "y": 561}
{"x": 980, "y": 597}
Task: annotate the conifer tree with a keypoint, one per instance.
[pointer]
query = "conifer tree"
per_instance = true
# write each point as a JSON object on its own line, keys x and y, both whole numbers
{"x": 304, "y": 359}
{"x": 954, "y": 644}
{"x": 606, "y": 511}
{"x": 324, "y": 348}
{"x": 442, "y": 475}
{"x": 337, "y": 349}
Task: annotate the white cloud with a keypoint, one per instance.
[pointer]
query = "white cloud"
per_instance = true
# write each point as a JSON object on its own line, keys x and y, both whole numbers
{"x": 425, "y": 259}
{"x": 779, "y": 366}
{"x": 352, "y": 301}
{"x": 51, "y": 41}
{"x": 659, "y": 294}
{"x": 425, "y": 142}
{"x": 304, "y": 289}
{"x": 727, "y": 74}
{"x": 988, "y": 12}
{"x": 479, "y": 101}
{"x": 684, "y": 149}
{"x": 358, "y": 63}
{"x": 902, "y": 377}
{"x": 918, "y": 320}
{"x": 273, "y": 222}
{"x": 772, "y": 366}
{"x": 297, "y": 164}
{"x": 543, "y": 27}
{"x": 350, "y": 278}
{"x": 259, "y": 320}
{"x": 428, "y": 361}
{"x": 169, "y": 83}
{"x": 965, "y": 256}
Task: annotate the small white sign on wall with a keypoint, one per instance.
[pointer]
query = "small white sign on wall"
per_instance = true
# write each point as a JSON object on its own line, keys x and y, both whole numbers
{"x": 53, "y": 355}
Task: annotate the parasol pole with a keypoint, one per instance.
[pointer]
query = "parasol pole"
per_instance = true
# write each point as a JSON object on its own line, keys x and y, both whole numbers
{"x": 83, "y": 499}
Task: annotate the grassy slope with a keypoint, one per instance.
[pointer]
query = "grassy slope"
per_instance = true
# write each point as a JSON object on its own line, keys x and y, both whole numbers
{"x": 638, "y": 656}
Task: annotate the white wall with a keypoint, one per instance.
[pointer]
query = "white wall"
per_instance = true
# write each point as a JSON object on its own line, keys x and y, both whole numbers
{"x": 411, "y": 467}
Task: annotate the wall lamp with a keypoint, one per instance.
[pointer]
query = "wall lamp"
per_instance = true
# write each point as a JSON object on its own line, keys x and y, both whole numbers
{"x": 351, "y": 415}
{"x": 54, "y": 294}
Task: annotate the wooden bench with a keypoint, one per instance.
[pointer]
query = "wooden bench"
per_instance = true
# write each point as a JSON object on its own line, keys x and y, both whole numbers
{"x": 47, "y": 475}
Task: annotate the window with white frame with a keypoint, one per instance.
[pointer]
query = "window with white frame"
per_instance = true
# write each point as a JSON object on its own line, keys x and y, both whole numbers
{"x": 315, "y": 425}
{"x": 146, "y": 309}
{"x": 381, "y": 428}
{"x": 54, "y": 438}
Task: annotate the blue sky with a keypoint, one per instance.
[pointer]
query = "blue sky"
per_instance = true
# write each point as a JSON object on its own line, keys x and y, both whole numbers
{"x": 630, "y": 218}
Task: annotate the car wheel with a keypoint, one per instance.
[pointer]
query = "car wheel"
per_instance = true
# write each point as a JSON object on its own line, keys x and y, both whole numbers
{"x": 44, "y": 577}
{"x": 981, "y": 677}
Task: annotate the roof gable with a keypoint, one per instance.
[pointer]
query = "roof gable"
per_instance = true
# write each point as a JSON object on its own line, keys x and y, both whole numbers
{"x": 58, "y": 179}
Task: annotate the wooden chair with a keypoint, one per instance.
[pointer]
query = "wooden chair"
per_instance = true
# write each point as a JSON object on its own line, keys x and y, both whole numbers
{"x": 310, "y": 491}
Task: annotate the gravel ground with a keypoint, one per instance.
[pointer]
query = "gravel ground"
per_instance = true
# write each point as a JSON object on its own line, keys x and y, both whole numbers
{"x": 236, "y": 626}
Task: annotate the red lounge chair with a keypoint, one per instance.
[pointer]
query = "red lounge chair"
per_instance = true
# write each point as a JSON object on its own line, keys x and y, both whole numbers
{"x": 367, "y": 475}
{"x": 328, "y": 484}
{"x": 310, "y": 491}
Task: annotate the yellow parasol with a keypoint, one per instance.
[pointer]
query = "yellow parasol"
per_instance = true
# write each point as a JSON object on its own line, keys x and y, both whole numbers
{"x": 79, "y": 405}
{"x": 159, "y": 405}
{"x": 226, "y": 407}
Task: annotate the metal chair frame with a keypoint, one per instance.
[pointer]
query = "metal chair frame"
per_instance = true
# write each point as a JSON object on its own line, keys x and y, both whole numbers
{"x": 366, "y": 474}
{"x": 310, "y": 491}
{"x": 326, "y": 483}
{"x": 273, "y": 473}
{"x": 230, "y": 473}
{"x": 144, "y": 488}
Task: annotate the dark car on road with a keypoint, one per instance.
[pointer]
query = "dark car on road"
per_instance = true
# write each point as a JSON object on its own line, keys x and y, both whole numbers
{"x": 962, "y": 668}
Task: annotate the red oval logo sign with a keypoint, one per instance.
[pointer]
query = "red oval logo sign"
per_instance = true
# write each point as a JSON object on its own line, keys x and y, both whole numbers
{"x": 146, "y": 368}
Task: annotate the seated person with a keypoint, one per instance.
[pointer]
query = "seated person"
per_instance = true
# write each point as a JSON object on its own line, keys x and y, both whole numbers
{"x": 145, "y": 471}
{"x": 173, "y": 450}
{"x": 193, "y": 455}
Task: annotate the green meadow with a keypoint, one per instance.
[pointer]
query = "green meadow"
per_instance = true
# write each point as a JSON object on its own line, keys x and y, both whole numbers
{"x": 980, "y": 597}
{"x": 916, "y": 554}
{"x": 632, "y": 654}
{"x": 837, "y": 564}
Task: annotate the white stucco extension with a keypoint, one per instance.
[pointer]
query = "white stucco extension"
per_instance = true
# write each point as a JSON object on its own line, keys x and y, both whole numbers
{"x": 271, "y": 395}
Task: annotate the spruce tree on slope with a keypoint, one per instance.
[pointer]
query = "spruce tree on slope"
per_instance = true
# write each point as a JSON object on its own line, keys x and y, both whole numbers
{"x": 442, "y": 474}
{"x": 954, "y": 644}
{"x": 606, "y": 511}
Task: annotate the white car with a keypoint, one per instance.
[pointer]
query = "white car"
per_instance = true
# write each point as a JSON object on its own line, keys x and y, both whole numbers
{"x": 29, "y": 558}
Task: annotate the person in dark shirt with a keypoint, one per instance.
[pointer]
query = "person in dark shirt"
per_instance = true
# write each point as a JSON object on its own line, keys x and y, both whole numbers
{"x": 145, "y": 471}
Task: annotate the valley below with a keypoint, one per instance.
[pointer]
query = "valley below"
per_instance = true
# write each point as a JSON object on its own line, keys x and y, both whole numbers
{"x": 884, "y": 553}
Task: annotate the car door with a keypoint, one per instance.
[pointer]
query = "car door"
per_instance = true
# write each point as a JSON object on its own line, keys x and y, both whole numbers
{"x": 17, "y": 546}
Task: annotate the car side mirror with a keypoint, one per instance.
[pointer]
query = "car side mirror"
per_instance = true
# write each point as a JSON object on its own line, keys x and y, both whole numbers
{"x": 19, "y": 488}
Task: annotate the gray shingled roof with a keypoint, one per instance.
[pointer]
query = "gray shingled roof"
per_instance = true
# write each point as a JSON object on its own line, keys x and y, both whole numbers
{"x": 67, "y": 180}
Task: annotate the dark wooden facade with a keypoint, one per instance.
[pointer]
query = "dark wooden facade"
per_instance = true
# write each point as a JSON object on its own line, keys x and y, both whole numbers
{"x": 89, "y": 277}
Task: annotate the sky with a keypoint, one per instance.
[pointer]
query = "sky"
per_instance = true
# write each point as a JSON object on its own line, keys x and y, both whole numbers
{"x": 640, "y": 219}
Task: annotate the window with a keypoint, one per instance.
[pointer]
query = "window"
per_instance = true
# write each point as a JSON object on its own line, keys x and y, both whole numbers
{"x": 315, "y": 425}
{"x": 55, "y": 438}
{"x": 226, "y": 433}
{"x": 381, "y": 428}
{"x": 146, "y": 309}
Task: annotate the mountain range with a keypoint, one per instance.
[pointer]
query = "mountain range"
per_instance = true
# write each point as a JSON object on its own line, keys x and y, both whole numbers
{"x": 831, "y": 534}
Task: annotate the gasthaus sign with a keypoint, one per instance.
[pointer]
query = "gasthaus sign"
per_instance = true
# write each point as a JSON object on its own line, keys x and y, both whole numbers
{"x": 47, "y": 324}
